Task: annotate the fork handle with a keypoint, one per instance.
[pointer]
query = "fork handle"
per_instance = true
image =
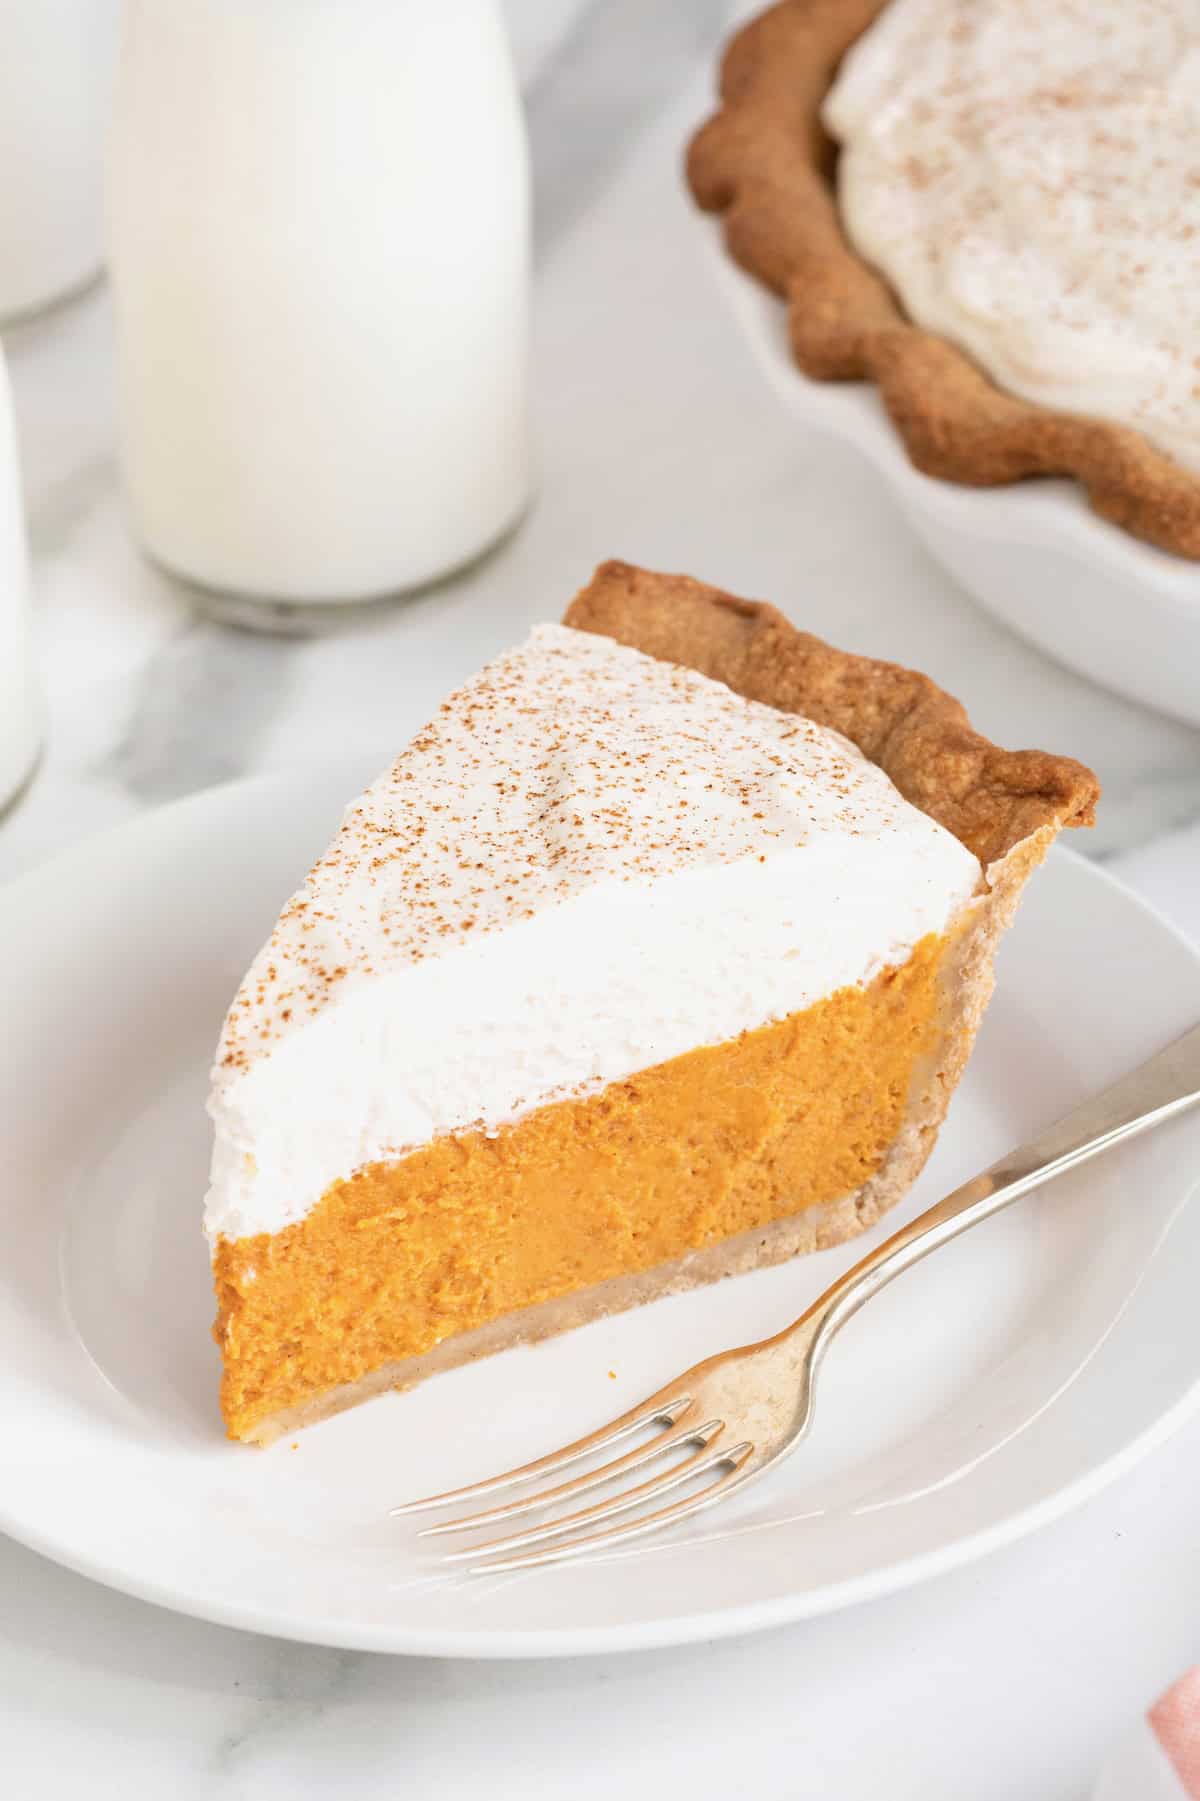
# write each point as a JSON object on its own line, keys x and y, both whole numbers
{"x": 1167, "y": 1084}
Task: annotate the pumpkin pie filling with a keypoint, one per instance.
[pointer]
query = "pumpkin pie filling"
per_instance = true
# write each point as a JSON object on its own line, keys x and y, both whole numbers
{"x": 740, "y": 1028}
{"x": 717, "y": 1143}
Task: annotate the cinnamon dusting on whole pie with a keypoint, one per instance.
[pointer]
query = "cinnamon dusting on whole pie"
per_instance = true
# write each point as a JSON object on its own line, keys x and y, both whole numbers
{"x": 765, "y": 163}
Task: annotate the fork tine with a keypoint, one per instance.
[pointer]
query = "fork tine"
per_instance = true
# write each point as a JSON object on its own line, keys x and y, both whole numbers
{"x": 696, "y": 1465}
{"x": 654, "y": 1411}
{"x": 566, "y": 1491}
{"x": 615, "y": 1535}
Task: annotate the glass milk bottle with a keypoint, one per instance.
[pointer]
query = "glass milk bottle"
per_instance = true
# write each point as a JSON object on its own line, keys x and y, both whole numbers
{"x": 20, "y": 700}
{"x": 319, "y": 250}
{"x": 55, "y": 80}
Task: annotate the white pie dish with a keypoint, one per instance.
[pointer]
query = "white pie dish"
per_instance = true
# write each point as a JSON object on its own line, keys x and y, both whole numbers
{"x": 996, "y": 1386}
{"x": 1117, "y": 610}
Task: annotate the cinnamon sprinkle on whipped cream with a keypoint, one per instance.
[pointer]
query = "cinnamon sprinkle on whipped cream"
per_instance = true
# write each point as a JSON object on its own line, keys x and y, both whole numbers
{"x": 1024, "y": 173}
{"x": 588, "y": 862}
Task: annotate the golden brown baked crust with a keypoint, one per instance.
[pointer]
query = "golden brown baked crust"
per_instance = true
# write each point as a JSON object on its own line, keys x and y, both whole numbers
{"x": 991, "y": 799}
{"x": 764, "y": 162}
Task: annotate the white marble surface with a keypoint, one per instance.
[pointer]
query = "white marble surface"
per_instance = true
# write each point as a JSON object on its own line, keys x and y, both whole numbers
{"x": 660, "y": 444}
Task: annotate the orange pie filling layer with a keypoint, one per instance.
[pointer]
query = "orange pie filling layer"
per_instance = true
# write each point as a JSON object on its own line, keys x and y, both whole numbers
{"x": 474, "y": 1227}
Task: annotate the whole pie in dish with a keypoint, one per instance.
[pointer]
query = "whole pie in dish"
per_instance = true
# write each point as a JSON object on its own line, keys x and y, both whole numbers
{"x": 990, "y": 208}
{"x": 655, "y": 957}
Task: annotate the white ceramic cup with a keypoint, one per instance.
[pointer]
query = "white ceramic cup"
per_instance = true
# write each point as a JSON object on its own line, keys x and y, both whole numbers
{"x": 20, "y": 699}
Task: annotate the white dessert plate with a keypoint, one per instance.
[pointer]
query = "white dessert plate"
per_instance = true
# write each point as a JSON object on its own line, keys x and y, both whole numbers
{"x": 993, "y": 1387}
{"x": 1119, "y": 611}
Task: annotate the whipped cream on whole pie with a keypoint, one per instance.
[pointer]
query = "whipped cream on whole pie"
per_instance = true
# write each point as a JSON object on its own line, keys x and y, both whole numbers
{"x": 590, "y": 862}
{"x": 1025, "y": 174}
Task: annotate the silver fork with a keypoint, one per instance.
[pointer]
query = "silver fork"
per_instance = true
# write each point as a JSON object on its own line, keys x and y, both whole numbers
{"x": 732, "y": 1417}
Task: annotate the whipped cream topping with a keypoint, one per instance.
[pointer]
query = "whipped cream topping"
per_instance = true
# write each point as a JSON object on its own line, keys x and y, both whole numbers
{"x": 589, "y": 862}
{"x": 1024, "y": 173}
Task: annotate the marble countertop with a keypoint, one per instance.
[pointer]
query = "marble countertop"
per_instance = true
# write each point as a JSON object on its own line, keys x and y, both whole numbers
{"x": 660, "y": 444}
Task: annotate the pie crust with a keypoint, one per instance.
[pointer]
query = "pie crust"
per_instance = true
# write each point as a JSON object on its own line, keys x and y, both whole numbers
{"x": 993, "y": 800}
{"x": 764, "y": 162}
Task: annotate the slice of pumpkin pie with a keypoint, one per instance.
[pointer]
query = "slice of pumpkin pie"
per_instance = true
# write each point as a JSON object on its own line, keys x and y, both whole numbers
{"x": 655, "y": 957}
